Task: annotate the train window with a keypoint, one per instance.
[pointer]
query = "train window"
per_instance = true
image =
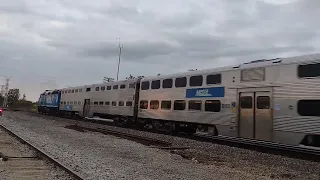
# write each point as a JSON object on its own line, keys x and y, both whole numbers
{"x": 195, "y": 105}
{"x": 121, "y": 103}
{"x": 246, "y": 102}
{"x": 76, "y": 91}
{"x": 103, "y": 88}
{"x": 145, "y": 85}
{"x": 196, "y": 80}
{"x": 181, "y": 82}
{"x": 75, "y": 102}
{"x": 155, "y": 84}
{"x": 179, "y": 105}
{"x": 107, "y": 103}
{"x": 167, "y": 83}
{"x": 80, "y": 90}
{"x": 115, "y": 87}
{"x": 114, "y": 103}
{"x": 65, "y": 91}
{"x": 108, "y": 87}
{"x": 79, "y": 102}
{"x": 309, "y": 70}
{"x": 213, "y": 105}
{"x": 154, "y": 104}
{"x": 88, "y": 89}
{"x": 64, "y": 102}
{"x": 97, "y": 88}
{"x": 214, "y": 79}
{"x": 129, "y": 103}
{"x": 131, "y": 85}
{"x": 143, "y": 104}
{"x": 309, "y": 107}
{"x": 96, "y": 103}
{"x": 166, "y": 105}
{"x": 101, "y": 103}
{"x": 69, "y": 91}
{"x": 263, "y": 102}
{"x": 61, "y": 103}
{"x": 122, "y": 86}
{"x": 72, "y": 91}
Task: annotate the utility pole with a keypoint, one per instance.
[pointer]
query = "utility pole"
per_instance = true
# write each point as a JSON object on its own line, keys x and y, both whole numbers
{"x": 120, "y": 46}
{"x": 6, "y": 92}
{"x": 2, "y": 89}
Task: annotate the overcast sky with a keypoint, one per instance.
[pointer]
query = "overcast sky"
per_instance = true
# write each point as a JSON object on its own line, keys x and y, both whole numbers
{"x": 57, "y": 43}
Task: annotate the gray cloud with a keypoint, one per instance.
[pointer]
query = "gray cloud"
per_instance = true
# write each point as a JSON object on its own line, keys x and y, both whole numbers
{"x": 49, "y": 44}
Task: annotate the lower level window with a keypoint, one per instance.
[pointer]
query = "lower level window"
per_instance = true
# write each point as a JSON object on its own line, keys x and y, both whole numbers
{"x": 144, "y": 104}
{"x": 179, "y": 105}
{"x": 213, "y": 105}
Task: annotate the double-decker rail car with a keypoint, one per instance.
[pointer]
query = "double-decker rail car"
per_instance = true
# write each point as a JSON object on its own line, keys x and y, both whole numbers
{"x": 108, "y": 100}
{"x": 275, "y": 100}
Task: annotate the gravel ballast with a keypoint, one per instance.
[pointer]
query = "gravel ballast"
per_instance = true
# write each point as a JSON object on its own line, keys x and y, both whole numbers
{"x": 99, "y": 156}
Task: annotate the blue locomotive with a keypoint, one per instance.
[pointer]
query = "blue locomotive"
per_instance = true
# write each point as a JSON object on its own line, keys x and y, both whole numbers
{"x": 49, "y": 101}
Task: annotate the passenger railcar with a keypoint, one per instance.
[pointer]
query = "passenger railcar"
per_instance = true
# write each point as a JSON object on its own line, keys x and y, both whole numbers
{"x": 274, "y": 100}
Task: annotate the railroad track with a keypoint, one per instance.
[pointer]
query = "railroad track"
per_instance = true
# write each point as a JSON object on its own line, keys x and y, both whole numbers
{"x": 38, "y": 154}
{"x": 256, "y": 145}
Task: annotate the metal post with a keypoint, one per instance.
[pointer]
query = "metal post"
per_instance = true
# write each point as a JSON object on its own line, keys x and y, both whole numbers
{"x": 120, "y": 46}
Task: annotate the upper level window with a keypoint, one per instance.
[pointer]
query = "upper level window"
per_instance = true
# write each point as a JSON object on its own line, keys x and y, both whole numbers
{"x": 131, "y": 85}
{"x": 167, "y": 83}
{"x": 145, "y": 85}
{"x": 76, "y": 91}
{"x": 196, "y": 80}
{"x": 309, "y": 107}
{"x": 72, "y": 91}
{"x": 97, "y": 88}
{"x": 103, "y": 88}
{"x": 88, "y": 89}
{"x": 115, "y": 87}
{"x": 155, "y": 84}
{"x": 122, "y": 86}
{"x": 214, "y": 79}
{"x": 108, "y": 87}
{"x": 181, "y": 82}
{"x": 309, "y": 70}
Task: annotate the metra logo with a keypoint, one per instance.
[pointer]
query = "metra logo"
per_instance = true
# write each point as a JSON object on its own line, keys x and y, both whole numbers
{"x": 203, "y": 92}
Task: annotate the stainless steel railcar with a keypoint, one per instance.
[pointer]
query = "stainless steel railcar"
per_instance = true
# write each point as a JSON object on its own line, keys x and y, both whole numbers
{"x": 274, "y": 100}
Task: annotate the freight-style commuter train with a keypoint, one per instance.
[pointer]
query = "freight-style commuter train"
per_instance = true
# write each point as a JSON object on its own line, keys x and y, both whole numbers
{"x": 275, "y": 100}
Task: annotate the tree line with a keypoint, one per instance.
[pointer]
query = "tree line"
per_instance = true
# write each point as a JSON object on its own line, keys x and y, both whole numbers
{"x": 15, "y": 100}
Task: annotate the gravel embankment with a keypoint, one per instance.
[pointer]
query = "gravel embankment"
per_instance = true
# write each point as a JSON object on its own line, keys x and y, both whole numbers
{"x": 99, "y": 156}
{"x": 22, "y": 162}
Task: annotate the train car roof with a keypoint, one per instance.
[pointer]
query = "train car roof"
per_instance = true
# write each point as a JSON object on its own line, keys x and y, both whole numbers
{"x": 101, "y": 84}
{"x": 251, "y": 64}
